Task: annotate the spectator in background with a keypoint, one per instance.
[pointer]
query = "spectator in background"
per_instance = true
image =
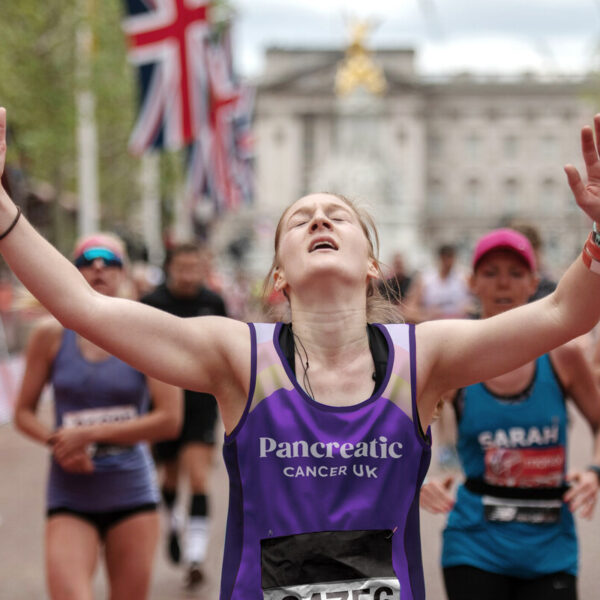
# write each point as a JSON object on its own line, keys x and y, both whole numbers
{"x": 184, "y": 294}
{"x": 546, "y": 283}
{"x": 440, "y": 292}
{"x": 397, "y": 284}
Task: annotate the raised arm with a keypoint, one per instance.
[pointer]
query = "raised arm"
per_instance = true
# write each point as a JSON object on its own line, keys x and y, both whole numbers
{"x": 453, "y": 354}
{"x": 210, "y": 354}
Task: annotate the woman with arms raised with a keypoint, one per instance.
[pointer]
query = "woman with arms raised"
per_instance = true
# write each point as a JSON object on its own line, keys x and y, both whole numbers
{"x": 324, "y": 417}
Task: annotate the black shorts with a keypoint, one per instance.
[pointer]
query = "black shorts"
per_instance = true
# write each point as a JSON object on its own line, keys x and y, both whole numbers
{"x": 103, "y": 521}
{"x": 470, "y": 583}
{"x": 199, "y": 418}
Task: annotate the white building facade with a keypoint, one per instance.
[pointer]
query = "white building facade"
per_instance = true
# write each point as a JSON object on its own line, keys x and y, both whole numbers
{"x": 433, "y": 160}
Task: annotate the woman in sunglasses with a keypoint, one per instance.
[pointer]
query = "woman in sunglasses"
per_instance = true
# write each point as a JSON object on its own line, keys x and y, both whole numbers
{"x": 101, "y": 490}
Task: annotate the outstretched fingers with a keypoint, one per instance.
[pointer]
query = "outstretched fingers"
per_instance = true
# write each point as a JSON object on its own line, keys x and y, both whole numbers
{"x": 588, "y": 145}
{"x": 587, "y": 195}
{"x": 575, "y": 183}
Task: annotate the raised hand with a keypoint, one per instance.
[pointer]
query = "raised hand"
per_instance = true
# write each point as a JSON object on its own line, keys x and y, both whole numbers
{"x": 587, "y": 195}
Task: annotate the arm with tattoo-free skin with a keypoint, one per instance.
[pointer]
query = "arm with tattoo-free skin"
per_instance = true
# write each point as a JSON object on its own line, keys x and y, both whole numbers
{"x": 159, "y": 344}
{"x": 455, "y": 353}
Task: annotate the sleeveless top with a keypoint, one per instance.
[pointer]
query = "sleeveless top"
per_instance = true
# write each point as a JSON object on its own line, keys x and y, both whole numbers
{"x": 509, "y": 517}
{"x": 324, "y": 500}
{"x": 87, "y": 392}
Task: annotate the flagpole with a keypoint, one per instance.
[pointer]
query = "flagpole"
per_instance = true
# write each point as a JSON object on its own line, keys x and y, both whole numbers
{"x": 87, "y": 139}
{"x": 183, "y": 218}
{"x": 151, "y": 218}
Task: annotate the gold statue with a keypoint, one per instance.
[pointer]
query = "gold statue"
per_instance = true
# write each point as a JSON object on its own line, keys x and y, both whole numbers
{"x": 357, "y": 68}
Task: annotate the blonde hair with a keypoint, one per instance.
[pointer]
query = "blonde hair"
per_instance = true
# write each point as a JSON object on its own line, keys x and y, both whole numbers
{"x": 379, "y": 308}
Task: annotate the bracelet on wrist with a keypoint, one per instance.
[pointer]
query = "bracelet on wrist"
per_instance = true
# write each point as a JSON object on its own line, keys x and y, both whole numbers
{"x": 595, "y": 235}
{"x": 12, "y": 225}
{"x": 591, "y": 254}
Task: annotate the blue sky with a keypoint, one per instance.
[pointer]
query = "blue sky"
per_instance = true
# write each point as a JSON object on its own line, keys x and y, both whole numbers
{"x": 449, "y": 36}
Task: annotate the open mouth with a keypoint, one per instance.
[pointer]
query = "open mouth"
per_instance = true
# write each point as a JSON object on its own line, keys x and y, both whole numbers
{"x": 322, "y": 244}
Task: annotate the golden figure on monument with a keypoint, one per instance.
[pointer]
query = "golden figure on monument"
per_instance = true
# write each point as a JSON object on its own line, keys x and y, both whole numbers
{"x": 358, "y": 69}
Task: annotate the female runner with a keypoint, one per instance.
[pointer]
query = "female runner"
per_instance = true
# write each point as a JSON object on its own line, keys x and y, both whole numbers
{"x": 326, "y": 418}
{"x": 102, "y": 494}
{"x": 510, "y": 534}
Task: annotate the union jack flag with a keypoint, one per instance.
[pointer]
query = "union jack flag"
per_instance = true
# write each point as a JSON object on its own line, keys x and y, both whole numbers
{"x": 167, "y": 43}
{"x": 220, "y": 160}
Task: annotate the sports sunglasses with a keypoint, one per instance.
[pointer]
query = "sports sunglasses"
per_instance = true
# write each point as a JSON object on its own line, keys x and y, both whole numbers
{"x": 108, "y": 257}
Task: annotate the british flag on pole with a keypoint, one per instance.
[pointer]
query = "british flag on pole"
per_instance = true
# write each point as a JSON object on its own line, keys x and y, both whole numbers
{"x": 220, "y": 161}
{"x": 167, "y": 44}
{"x": 190, "y": 96}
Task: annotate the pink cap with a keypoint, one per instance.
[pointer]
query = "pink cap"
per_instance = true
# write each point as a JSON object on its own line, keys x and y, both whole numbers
{"x": 98, "y": 240}
{"x": 508, "y": 239}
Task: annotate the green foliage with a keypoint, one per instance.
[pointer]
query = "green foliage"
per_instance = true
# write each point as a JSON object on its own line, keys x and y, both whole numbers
{"x": 39, "y": 79}
{"x": 40, "y": 73}
{"x": 36, "y": 84}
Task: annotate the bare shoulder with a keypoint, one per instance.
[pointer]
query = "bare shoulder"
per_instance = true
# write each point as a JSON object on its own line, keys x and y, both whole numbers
{"x": 431, "y": 336}
{"x": 572, "y": 350}
{"x": 224, "y": 331}
{"x": 225, "y": 342}
{"x": 236, "y": 335}
{"x": 45, "y": 338}
{"x": 569, "y": 360}
{"x": 47, "y": 330}
{"x": 230, "y": 365}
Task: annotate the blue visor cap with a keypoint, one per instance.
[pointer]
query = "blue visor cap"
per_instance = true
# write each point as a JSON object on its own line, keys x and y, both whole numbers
{"x": 108, "y": 257}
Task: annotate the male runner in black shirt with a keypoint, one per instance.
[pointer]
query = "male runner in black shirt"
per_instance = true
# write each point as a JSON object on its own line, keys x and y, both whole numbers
{"x": 183, "y": 294}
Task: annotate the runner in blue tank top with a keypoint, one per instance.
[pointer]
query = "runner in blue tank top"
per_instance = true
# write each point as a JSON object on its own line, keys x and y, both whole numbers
{"x": 325, "y": 445}
{"x": 510, "y": 533}
{"x": 101, "y": 490}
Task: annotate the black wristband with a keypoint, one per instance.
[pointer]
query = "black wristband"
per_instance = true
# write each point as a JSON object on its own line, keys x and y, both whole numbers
{"x": 12, "y": 225}
{"x": 595, "y": 469}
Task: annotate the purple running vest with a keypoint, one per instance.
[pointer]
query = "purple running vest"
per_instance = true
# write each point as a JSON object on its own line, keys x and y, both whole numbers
{"x": 87, "y": 391}
{"x": 324, "y": 501}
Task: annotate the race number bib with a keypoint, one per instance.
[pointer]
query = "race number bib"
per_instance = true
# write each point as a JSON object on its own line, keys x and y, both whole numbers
{"x": 364, "y": 589}
{"x": 525, "y": 467}
{"x": 505, "y": 510}
{"x": 329, "y": 565}
{"x": 101, "y": 416}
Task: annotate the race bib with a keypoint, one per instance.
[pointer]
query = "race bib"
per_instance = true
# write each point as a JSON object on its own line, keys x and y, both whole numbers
{"x": 101, "y": 416}
{"x": 329, "y": 565}
{"x": 505, "y": 510}
{"x": 364, "y": 589}
{"x": 525, "y": 467}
